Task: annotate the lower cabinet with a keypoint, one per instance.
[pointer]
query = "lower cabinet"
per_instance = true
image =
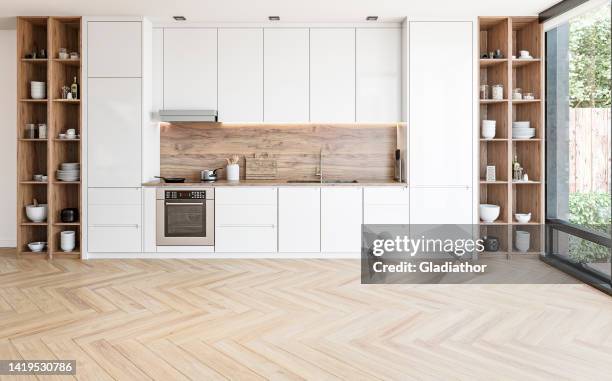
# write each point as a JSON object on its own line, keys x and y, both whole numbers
{"x": 299, "y": 220}
{"x": 114, "y": 220}
{"x": 341, "y": 218}
{"x": 386, "y": 205}
{"x": 245, "y": 220}
{"x": 441, "y": 205}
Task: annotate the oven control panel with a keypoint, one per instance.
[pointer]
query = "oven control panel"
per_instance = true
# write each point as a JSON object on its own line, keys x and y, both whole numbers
{"x": 185, "y": 195}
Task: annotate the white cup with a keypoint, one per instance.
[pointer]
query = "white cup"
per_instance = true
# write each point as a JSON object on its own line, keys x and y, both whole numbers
{"x": 68, "y": 240}
{"x": 70, "y": 132}
{"x": 524, "y": 53}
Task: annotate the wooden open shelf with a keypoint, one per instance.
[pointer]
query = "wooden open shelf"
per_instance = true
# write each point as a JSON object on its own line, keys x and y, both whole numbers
{"x": 510, "y": 35}
{"x": 44, "y": 156}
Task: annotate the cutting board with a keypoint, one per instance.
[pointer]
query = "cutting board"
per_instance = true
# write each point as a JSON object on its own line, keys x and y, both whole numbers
{"x": 260, "y": 167}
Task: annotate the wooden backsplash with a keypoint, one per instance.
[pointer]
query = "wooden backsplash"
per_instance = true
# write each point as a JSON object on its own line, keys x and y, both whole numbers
{"x": 362, "y": 152}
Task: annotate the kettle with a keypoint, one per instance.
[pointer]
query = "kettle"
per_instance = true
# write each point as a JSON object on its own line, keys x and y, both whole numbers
{"x": 209, "y": 175}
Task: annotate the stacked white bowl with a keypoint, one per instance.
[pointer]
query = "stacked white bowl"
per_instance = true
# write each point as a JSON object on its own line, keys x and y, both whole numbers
{"x": 521, "y": 240}
{"x": 522, "y": 130}
{"x": 38, "y": 90}
{"x": 488, "y": 129}
{"x": 69, "y": 172}
{"x": 68, "y": 240}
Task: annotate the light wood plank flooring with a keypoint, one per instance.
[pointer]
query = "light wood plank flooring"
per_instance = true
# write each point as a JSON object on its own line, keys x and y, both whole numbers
{"x": 293, "y": 319}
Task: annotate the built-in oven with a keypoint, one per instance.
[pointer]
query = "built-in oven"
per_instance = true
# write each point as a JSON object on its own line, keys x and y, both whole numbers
{"x": 186, "y": 217}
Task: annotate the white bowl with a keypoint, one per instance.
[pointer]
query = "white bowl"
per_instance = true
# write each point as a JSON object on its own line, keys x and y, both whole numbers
{"x": 36, "y": 213}
{"x": 37, "y": 246}
{"x": 522, "y": 218}
{"x": 488, "y": 132}
{"x": 489, "y": 212}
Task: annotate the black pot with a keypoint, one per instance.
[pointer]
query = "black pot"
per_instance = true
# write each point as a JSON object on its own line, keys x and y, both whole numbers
{"x": 491, "y": 243}
{"x": 69, "y": 215}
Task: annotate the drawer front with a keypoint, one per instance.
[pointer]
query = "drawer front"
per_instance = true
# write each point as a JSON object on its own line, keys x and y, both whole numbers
{"x": 245, "y": 196}
{"x": 245, "y": 239}
{"x": 114, "y": 196}
{"x": 386, "y": 214}
{"x": 115, "y": 215}
{"x": 245, "y": 215}
{"x": 114, "y": 239}
{"x": 386, "y": 196}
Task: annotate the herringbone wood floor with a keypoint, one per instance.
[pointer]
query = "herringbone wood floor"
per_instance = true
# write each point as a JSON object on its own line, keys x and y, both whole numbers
{"x": 293, "y": 319}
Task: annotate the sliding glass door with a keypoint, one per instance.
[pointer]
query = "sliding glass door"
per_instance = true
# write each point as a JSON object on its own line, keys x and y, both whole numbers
{"x": 578, "y": 139}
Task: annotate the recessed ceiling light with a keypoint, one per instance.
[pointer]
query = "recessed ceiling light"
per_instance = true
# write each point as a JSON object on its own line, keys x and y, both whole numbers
{"x": 274, "y": 18}
{"x": 179, "y": 18}
{"x": 372, "y": 18}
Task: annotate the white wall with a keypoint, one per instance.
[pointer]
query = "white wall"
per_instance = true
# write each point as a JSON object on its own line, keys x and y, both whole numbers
{"x": 8, "y": 155}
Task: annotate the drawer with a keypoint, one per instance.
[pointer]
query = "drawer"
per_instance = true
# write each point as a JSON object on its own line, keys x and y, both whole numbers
{"x": 114, "y": 196}
{"x": 386, "y": 214}
{"x": 386, "y": 196}
{"x": 245, "y": 239}
{"x": 245, "y": 196}
{"x": 245, "y": 215}
{"x": 114, "y": 214}
{"x": 114, "y": 239}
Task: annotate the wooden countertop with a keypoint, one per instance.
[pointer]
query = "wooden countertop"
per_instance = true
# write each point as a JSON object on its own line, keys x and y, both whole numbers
{"x": 274, "y": 183}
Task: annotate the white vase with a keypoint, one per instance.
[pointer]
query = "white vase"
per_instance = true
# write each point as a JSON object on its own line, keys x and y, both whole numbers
{"x": 233, "y": 172}
{"x": 67, "y": 240}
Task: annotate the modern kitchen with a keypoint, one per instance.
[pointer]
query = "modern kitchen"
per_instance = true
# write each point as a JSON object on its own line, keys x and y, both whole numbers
{"x": 193, "y": 189}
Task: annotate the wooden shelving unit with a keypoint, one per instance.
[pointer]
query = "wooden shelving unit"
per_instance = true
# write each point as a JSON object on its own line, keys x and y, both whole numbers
{"x": 44, "y": 156}
{"x": 510, "y": 35}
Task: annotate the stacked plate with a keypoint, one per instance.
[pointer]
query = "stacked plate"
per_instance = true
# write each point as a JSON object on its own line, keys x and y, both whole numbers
{"x": 69, "y": 172}
{"x": 522, "y": 130}
{"x": 38, "y": 90}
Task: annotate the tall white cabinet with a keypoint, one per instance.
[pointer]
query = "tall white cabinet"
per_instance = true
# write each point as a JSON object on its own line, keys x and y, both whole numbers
{"x": 441, "y": 121}
{"x": 113, "y": 127}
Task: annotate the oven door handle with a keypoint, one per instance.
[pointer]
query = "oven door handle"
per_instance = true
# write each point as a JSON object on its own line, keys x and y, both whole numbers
{"x": 185, "y": 203}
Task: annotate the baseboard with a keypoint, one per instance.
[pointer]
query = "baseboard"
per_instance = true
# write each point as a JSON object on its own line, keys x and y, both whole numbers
{"x": 160, "y": 255}
{"x": 8, "y": 243}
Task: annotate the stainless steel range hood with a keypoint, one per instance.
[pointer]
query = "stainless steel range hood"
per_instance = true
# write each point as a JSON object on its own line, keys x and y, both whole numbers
{"x": 188, "y": 115}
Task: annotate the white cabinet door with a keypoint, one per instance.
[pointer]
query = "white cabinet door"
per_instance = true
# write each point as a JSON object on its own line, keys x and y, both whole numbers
{"x": 157, "y": 88}
{"x": 441, "y": 205}
{"x": 149, "y": 220}
{"x": 440, "y": 110}
{"x": 246, "y": 220}
{"x": 379, "y": 74}
{"x": 114, "y": 49}
{"x": 190, "y": 69}
{"x": 114, "y": 222}
{"x": 114, "y": 132}
{"x": 241, "y": 75}
{"x": 332, "y": 75}
{"x": 341, "y": 216}
{"x": 386, "y": 205}
{"x": 299, "y": 220}
{"x": 286, "y": 75}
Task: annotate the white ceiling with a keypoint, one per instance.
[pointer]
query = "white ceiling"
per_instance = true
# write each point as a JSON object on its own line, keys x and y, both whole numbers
{"x": 288, "y": 10}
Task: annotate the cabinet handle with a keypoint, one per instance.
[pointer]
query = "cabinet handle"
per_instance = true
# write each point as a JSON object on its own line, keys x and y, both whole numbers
{"x": 115, "y": 226}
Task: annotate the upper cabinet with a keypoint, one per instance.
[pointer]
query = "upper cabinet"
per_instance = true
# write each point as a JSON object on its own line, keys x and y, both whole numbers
{"x": 440, "y": 108}
{"x": 286, "y": 81}
{"x": 190, "y": 69}
{"x": 114, "y": 49}
{"x": 332, "y": 75}
{"x": 379, "y": 74}
{"x": 240, "y": 75}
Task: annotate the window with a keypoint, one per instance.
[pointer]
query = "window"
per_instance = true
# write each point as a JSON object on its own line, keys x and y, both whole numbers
{"x": 578, "y": 133}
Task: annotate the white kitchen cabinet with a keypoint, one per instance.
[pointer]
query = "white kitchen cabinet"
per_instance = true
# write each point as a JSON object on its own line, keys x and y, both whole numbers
{"x": 441, "y": 205}
{"x": 378, "y": 74}
{"x": 114, "y": 222}
{"x": 246, "y": 220}
{"x": 440, "y": 109}
{"x": 286, "y": 79}
{"x": 149, "y": 220}
{"x": 114, "y": 49}
{"x": 240, "y": 75}
{"x": 114, "y": 132}
{"x": 157, "y": 87}
{"x": 386, "y": 205}
{"x": 332, "y": 75}
{"x": 190, "y": 68}
{"x": 299, "y": 220}
{"x": 341, "y": 217}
